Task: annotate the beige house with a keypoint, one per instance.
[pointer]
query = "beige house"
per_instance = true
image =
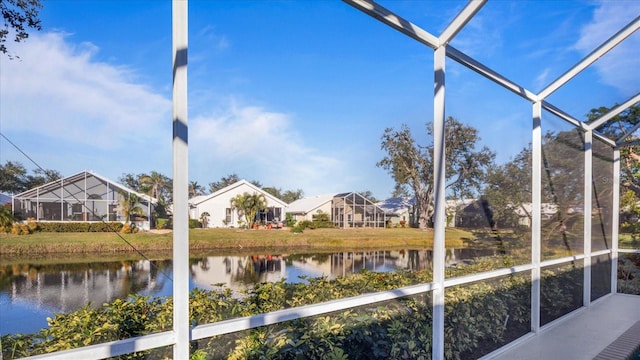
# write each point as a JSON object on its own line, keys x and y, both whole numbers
{"x": 216, "y": 209}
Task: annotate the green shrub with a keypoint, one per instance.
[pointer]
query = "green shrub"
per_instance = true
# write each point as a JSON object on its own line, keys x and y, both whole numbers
{"x": 194, "y": 224}
{"x": 479, "y": 317}
{"x": 162, "y": 224}
{"x": 80, "y": 226}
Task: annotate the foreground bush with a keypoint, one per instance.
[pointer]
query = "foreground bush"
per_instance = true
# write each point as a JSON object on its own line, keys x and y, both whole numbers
{"x": 480, "y": 317}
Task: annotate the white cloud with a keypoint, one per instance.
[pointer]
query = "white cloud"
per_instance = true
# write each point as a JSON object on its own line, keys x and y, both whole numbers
{"x": 57, "y": 90}
{"x": 75, "y": 112}
{"x": 620, "y": 67}
{"x": 542, "y": 79}
{"x": 260, "y": 145}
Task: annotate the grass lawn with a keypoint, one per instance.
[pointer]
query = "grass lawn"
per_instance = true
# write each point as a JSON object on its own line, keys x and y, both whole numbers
{"x": 206, "y": 239}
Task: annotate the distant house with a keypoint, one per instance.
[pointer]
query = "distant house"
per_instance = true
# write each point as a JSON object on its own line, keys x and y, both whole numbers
{"x": 345, "y": 210}
{"x": 473, "y": 213}
{"x": 398, "y": 209}
{"x": 305, "y": 208}
{"x": 83, "y": 197}
{"x": 216, "y": 207}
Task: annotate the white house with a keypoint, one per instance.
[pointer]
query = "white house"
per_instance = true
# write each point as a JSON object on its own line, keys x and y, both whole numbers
{"x": 216, "y": 207}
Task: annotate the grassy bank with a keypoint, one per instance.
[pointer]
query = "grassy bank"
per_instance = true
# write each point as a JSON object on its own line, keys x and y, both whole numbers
{"x": 228, "y": 239}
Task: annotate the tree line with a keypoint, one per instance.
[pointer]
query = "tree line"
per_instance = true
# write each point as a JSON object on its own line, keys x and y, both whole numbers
{"x": 504, "y": 189}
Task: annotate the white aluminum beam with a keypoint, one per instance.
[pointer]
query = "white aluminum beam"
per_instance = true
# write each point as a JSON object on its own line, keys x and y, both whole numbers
{"x": 628, "y": 143}
{"x": 588, "y": 205}
{"x": 564, "y": 116}
{"x": 467, "y": 279}
{"x": 575, "y": 122}
{"x": 615, "y": 111}
{"x": 275, "y": 317}
{"x": 536, "y": 220}
{"x": 615, "y": 221}
{"x": 460, "y": 21}
{"x": 387, "y": 17}
{"x": 439, "y": 222}
{"x": 492, "y": 75}
{"x": 621, "y": 139}
{"x": 111, "y": 349}
{"x": 554, "y": 262}
{"x": 180, "y": 181}
{"x": 629, "y": 251}
{"x": 591, "y": 58}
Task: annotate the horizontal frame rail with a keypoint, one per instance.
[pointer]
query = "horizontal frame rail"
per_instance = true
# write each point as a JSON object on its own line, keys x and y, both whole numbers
{"x": 249, "y": 322}
{"x": 113, "y": 348}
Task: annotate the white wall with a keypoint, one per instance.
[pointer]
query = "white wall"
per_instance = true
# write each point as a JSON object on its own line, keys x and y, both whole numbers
{"x": 216, "y": 206}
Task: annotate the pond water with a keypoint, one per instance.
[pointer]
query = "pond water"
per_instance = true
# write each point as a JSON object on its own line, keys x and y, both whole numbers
{"x": 31, "y": 291}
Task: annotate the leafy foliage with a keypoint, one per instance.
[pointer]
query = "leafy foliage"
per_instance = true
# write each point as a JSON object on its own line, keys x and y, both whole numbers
{"x": 248, "y": 205}
{"x": 14, "y": 178}
{"x": 479, "y": 318}
{"x": 74, "y": 226}
{"x": 411, "y": 164}
{"x": 18, "y": 15}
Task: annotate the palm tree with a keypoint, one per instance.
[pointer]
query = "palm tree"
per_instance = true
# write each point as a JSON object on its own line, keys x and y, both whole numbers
{"x": 248, "y": 205}
{"x": 195, "y": 189}
{"x": 130, "y": 206}
{"x": 156, "y": 185}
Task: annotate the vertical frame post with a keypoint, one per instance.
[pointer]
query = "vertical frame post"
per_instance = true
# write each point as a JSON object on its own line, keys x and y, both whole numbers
{"x": 180, "y": 182}
{"x": 536, "y": 216}
{"x": 588, "y": 204}
{"x": 439, "y": 223}
{"x": 615, "y": 220}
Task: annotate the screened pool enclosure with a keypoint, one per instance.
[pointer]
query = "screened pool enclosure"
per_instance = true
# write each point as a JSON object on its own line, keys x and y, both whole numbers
{"x": 83, "y": 197}
{"x": 563, "y": 261}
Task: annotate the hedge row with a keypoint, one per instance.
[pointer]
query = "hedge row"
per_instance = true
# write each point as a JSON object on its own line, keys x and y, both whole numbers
{"x": 480, "y": 317}
{"x": 79, "y": 226}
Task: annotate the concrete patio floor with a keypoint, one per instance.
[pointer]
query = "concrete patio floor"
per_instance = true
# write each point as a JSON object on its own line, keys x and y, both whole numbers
{"x": 582, "y": 335}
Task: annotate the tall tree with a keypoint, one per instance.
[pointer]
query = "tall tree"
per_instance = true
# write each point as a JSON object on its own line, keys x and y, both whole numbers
{"x": 411, "y": 164}
{"x": 18, "y": 16}
{"x": 131, "y": 181}
{"x": 224, "y": 182}
{"x": 617, "y": 127}
{"x": 508, "y": 190}
{"x": 157, "y": 185}
{"x": 195, "y": 189}
{"x": 130, "y": 204}
{"x": 290, "y": 196}
{"x": 248, "y": 205}
{"x": 12, "y": 177}
{"x": 368, "y": 195}
{"x": 41, "y": 177}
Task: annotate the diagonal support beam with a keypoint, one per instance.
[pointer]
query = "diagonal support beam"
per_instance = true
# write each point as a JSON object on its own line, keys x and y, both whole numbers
{"x": 591, "y": 58}
{"x": 389, "y": 18}
{"x": 575, "y": 122}
{"x": 614, "y": 112}
{"x": 492, "y": 75}
{"x": 461, "y": 20}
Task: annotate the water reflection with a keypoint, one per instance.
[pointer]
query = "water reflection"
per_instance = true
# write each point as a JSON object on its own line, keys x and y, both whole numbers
{"x": 31, "y": 292}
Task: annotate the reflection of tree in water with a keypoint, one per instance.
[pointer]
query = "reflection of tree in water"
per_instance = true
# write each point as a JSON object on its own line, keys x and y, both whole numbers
{"x": 252, "y": 269}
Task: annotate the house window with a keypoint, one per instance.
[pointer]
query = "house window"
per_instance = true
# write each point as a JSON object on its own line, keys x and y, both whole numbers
{"x": 227, "y": 218}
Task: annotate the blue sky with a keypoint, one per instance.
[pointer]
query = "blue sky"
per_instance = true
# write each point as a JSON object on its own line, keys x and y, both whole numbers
{"x": 294, "y": 94}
